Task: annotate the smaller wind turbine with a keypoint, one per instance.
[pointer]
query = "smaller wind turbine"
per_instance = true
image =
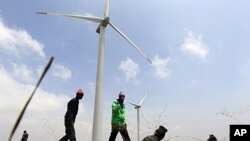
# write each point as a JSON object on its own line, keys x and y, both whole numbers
{"x": 138, "y": 107}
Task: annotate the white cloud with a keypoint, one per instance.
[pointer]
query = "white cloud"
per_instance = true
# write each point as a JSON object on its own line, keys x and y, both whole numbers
{"x": 19, "y": 42}
{"x": 195, "y": 46}
{"x": 43, "y": 118}
{"x": 61, "y": 72}
{"x": 22, "y": 72}
{"x": 130, "y": 69}
{"x": 160, "y": 65}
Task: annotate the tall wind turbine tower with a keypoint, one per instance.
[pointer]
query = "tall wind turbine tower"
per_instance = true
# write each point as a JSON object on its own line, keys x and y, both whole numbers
{"x": 97, "y": 131}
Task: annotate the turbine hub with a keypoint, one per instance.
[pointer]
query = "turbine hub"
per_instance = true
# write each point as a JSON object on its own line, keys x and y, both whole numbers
{"x": 104, "y": 23}
{"x": 137, "y": 107}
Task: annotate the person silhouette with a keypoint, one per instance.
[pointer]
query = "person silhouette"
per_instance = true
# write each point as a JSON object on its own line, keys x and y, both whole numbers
{"x": 25, "y": 136}
{"x": 70, "y": 116}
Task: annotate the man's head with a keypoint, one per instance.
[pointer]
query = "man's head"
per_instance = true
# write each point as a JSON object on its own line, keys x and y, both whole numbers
{"x": 24, "y": 131}
{"x": 121, "y": 96}
{"x": 212, "y": 138}
{"x": 160, "y": 132}
{"x": 79, "y": 94}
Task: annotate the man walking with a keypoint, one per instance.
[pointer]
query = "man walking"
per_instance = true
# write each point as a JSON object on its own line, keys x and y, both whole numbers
{"x": 70, "y": 116}
{"x": 25, "y": 136}
{"x": 118, "y": 122}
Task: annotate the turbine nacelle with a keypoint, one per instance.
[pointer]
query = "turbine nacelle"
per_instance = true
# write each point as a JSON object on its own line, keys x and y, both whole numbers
{"x": 137, "y": 107}
{"x": 104, "y": 23}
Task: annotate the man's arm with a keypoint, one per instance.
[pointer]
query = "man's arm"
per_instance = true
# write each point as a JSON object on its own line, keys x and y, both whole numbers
{"x": 115, "y": 106}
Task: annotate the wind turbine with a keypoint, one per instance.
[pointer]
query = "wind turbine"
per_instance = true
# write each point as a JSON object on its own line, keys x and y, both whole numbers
{"x": 138, "y": 107}
{"x": 97, "y": 131}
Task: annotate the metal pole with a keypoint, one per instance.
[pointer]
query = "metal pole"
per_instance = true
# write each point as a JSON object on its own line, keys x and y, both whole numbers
{"x": 97, "y": 131}
{"x": 138, "y": 124}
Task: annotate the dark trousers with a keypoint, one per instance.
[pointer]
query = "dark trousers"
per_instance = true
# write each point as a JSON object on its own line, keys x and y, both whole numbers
{"x": 70, "y": 131}
{"x": 123, "y": 131}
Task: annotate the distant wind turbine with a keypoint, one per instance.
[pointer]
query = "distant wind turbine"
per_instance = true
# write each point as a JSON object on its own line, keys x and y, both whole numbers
{"x": 97, "y": 131}
{"x": 138, "y": 107}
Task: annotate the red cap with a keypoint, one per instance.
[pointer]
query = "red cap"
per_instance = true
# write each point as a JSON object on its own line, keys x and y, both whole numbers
{"x": 80, "y": 92}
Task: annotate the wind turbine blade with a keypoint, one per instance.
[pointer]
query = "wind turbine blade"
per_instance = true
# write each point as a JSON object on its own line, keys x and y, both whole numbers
{"x": 32, "y": 94}
{"x": 143, "y": 116}
{"x": 143, "y": 98}
{"x": 125, "y": 37}
{"x": 88, "y": 18}
{"x": 106, "y": 10}
{"x": 134, "y": 104}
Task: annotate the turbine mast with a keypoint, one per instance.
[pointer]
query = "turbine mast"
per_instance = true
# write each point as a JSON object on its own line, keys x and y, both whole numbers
{"x": 138, "y": 123}
{"x": 97, "y": 131}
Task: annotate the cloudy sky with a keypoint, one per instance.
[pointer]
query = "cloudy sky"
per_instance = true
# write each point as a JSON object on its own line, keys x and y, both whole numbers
{"x": 198, "y": 81}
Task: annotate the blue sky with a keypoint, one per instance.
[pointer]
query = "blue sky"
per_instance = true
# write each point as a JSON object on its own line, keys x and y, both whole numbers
{"x": 200, "y": 71}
